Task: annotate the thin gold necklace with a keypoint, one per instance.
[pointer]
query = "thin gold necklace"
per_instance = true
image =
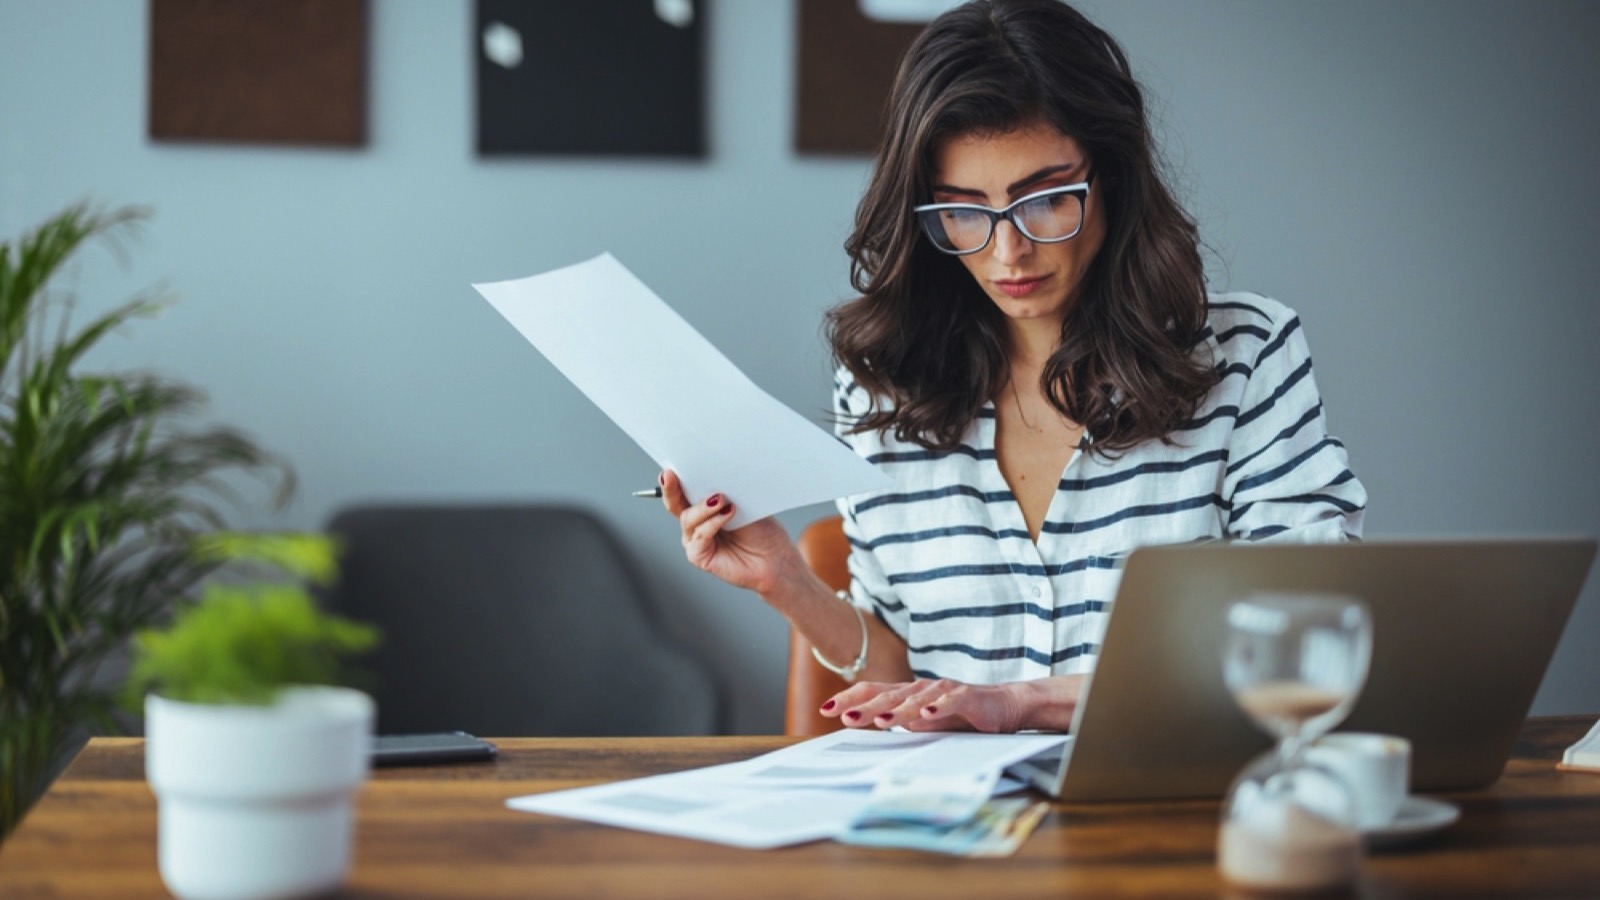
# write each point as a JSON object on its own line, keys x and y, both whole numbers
{"x": 1017, "y": 399}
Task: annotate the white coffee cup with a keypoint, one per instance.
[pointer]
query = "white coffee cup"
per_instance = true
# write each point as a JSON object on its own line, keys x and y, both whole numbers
{"x": 1375, "y": 767}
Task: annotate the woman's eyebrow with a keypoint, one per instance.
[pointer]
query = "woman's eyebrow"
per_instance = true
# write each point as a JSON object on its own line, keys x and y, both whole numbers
{"x": 1014, "y": 187}
{"x": 952, "y": 189}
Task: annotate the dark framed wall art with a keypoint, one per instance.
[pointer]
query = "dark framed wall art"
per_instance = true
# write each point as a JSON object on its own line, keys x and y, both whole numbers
{"x": 591, "y": 77}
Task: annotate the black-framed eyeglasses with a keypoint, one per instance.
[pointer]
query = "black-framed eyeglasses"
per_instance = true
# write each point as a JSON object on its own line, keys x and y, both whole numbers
{"x": 1045, "y": 217}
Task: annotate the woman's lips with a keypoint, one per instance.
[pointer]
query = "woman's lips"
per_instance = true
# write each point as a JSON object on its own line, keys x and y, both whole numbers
{"x": 1020, "y": 287}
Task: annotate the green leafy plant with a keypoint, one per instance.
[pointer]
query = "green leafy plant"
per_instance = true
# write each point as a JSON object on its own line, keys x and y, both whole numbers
{"x": 243, "y": 643}
{"x": 105, "y": 485}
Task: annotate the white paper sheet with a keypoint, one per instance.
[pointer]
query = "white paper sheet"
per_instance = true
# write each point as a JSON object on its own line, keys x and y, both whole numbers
{"x": 698, "y": 804}
{"x": 675, "y": 394}
{"x": 804, "y": 792}
{"x": 863, "y": 758}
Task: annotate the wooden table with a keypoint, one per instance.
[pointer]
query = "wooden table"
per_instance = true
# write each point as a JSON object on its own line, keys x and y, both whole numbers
{"x": 445, "y": 832}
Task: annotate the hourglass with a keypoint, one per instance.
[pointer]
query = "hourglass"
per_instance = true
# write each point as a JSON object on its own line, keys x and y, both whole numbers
{"x": 1295, "y": 664}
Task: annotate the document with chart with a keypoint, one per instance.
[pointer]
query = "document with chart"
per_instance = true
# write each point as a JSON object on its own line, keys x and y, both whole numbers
{"x": 804, "y": 792}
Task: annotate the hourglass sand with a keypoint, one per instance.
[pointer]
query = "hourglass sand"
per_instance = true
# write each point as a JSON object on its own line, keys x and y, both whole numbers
{"x": 1295, "y": 664}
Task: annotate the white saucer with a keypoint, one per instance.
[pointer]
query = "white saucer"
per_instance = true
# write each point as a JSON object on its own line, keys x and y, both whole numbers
{"x": 1418, "y": 816}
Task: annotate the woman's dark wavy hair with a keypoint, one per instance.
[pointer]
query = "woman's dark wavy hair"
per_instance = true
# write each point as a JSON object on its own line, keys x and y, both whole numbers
{"x": 923, "y": 333}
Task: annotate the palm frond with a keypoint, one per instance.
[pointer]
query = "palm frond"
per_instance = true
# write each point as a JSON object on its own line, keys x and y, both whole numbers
{"x": 27, "y": 266}
{"x": 106, "y": 483}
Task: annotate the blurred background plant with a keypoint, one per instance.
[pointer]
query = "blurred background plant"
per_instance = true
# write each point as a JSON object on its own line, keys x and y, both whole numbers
{"x": 105, "y": 486}
{"x": 244, "y": 642}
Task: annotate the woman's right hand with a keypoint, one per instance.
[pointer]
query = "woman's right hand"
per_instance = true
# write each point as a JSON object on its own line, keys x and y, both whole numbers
{"x": 944, "y": 705}
{"x": 756, "y": 556}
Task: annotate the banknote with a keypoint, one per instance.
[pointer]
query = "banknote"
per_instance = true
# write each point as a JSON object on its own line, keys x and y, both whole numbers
{"x": 943, "y": 813}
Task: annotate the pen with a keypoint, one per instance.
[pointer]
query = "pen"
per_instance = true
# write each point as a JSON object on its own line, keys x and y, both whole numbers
{"x": 654, "y": 492}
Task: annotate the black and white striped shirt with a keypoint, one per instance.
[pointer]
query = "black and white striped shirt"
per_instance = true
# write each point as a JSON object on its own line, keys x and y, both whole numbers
{"x": 945, "y": 560}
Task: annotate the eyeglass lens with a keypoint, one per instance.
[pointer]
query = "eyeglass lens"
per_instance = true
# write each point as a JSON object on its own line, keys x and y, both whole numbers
{"x": 1052, "y": 217}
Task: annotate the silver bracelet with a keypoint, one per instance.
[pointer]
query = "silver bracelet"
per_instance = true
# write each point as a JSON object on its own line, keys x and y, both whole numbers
{"x": 848, "y": 673}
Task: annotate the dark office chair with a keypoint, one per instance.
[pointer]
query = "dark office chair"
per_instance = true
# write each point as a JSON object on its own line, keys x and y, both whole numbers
{"x": 513, "y": 620}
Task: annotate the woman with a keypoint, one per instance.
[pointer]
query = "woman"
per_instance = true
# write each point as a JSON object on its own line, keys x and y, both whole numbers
{"x": 1035, "y": 362}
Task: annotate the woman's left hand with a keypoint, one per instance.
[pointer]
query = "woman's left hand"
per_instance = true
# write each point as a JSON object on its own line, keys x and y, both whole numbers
{"x": 944, "y": 705}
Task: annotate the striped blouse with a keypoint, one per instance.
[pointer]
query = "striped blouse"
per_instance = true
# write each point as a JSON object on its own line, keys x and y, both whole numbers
{"x": 945, "y": 560}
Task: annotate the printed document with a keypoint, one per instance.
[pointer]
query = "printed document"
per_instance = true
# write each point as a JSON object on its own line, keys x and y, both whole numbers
{"x": 675, "y": 394}
{"x": 805, "y": 792}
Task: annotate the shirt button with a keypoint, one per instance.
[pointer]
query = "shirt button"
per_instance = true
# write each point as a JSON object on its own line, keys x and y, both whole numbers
{"x": 1036, "y": 591}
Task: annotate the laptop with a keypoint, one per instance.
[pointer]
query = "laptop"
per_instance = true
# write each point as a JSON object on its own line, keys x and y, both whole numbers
{"x": 1463, "y": 631}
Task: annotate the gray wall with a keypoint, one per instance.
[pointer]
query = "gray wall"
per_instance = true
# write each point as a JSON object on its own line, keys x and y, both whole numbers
{"x": 1417, "y": 179}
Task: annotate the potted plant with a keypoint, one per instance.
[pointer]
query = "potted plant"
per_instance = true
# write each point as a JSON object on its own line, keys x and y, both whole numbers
{"x": 104, "y": 484}
{"x": 252, "y": 753}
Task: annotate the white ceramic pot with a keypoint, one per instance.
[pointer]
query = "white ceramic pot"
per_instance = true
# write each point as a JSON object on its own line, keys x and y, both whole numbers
{"x": 255, "y": 801}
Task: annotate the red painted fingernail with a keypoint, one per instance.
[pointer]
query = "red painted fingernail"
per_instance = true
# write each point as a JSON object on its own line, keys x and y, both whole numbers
{"x": 826, "y": 707}
{"x": 930, "y": 710}
{"x": 884, "y": 717}
{"x": 852, "y": 715}
{"x": 715, "y": 499}
{"x": 661, "y": 479}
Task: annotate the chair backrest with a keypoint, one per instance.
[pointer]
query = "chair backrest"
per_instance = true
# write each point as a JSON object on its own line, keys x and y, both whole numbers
{"x": 513, "y": 620}
{"x": 824, "y": 548}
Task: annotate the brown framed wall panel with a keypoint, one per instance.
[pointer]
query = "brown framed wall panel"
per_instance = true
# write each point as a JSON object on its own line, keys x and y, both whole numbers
{"x": 847, "y": 63}
{"x": 259, "y": 71}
